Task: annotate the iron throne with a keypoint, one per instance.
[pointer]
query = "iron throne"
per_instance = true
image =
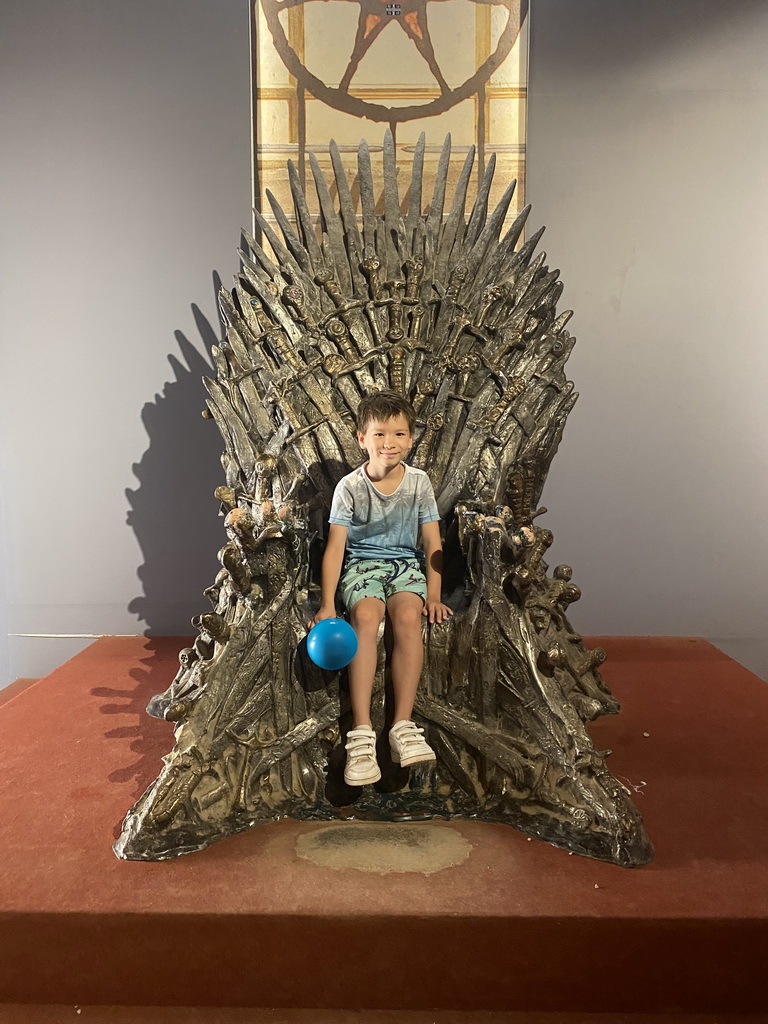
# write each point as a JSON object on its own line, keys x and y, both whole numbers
{"x": 464, "y": 324}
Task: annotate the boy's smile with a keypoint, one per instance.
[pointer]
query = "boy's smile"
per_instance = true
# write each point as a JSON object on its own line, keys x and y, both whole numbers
{"x": 387, "y": 443}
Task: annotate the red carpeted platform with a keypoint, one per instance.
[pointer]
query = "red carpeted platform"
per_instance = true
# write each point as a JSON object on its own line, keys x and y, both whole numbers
{"x": 517, "y": 925}
{"x": 27, "y": 1013}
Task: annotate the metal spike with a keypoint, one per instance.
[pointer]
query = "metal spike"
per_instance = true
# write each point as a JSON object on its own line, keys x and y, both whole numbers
{"x": 367, "y": 197}
{"x": 527, "y": 250}
{"x": 219, "y": 417}
{"x": 242, "y": 447}
{"x": 435, "y": 217}
{"x": 454, "y": 225}
{"x": 495, "y": 256}
{"x": 272, "y": 269}
{"x": 292, "y": 240}
{"x": 349, "y": 220}
{"x": 561, "y": 321}
{"x": 492, "y": 229}
{"x": 515, "y": 263}
{"x": 525, "y": 286}
{"x": 227, "y": 308}
{"x": 554, "y": 294}
{"x": 414, "y": 197}
{"x": 261, "y": 284}
{"x": 394, "y": 243}
{"x": 303, "y": 216}
{"x": 331, "y": 226}
{"x": 284, "y": 257}
{"x": 480, "y": 208}
{"x": 516, "y": 228}
{"x": 253, "y": 273}
{"x": 542, "y": 287}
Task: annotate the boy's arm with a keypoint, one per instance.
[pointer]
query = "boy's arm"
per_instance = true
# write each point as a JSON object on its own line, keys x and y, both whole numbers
{"x": 433, "y": 550}
{"x": 333, "y": 559}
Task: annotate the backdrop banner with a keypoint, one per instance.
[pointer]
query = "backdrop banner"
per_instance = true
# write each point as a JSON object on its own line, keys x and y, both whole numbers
{"x": 348, "y": 69}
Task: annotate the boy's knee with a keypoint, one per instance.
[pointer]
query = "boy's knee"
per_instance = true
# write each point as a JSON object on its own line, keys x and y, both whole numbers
{"x": 366, "y": 618}
{"x": 407, "y": 616}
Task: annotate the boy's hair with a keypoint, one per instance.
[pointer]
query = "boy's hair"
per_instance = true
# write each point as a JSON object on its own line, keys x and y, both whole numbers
{"x": 384, "y": 405}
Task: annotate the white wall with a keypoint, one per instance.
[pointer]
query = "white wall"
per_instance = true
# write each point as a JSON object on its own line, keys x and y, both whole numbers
{"x": 648, "y": 157}
{"x": 124, "y": 181}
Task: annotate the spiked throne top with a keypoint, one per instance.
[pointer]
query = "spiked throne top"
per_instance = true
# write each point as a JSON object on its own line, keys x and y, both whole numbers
{"x": 434, "y": 304}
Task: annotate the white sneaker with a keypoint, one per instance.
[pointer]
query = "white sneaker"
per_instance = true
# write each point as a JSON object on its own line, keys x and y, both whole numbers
{"x": 408, "y": 745}
{"x": 361, "y": 768}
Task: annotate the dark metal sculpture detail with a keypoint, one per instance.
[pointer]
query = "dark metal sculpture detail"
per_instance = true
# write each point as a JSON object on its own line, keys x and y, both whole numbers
{"x": 465, "y": 325}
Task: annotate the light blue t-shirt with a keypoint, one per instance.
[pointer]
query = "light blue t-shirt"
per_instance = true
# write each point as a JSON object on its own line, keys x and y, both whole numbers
{"x": 383, "y": 525}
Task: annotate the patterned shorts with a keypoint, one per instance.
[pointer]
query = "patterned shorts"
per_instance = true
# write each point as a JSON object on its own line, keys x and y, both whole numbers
{"x": 368, "y": 577}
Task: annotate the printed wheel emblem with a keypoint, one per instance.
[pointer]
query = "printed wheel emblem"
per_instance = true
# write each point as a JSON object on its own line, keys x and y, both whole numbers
{"x": 374, "y": 17}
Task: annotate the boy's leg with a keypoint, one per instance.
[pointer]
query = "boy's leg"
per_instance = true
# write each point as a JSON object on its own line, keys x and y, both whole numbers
{"x": 366, "y": 615}
{"x": 406, "y": 739}
{"x": 405, "y": 613}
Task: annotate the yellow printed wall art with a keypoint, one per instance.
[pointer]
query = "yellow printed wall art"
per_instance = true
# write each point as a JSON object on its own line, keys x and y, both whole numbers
{"x": 348, "y": 69}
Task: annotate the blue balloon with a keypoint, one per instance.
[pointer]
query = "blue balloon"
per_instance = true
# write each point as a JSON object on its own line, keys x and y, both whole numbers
{"x": 332, "y": 644}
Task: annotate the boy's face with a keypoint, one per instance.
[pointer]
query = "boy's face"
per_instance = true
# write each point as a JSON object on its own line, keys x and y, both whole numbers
{"x": 387, "y": 441}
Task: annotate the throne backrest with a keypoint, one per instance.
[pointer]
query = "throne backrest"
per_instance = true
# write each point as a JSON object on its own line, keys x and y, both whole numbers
{"x": 433, "y": 304}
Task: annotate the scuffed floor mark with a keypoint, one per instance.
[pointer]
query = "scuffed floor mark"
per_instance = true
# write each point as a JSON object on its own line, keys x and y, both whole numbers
{"x": 385, "y": 848}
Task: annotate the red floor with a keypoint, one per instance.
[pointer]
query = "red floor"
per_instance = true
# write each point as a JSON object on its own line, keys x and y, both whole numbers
{"x": 56, "y": 1014}
{"x": 517, "y": 926}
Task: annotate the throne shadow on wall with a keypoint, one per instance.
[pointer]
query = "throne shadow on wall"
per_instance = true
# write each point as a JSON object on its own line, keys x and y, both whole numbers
{"x": 173, "y": 511}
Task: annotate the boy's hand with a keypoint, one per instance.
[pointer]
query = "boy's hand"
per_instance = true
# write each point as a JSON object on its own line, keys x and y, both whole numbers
{"x": 320, "y": 614}
{"x": 436, "y": 611}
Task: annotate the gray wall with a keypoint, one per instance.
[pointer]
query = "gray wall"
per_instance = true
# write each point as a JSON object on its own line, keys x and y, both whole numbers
{"x": 648, "y": 150}
{"x": 124, "y": 182}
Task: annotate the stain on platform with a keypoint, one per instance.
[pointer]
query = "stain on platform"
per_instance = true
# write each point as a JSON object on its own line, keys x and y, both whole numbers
{"x": 384, "y": 848}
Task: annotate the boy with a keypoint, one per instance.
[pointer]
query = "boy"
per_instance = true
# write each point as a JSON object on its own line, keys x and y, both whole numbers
{"x": 376, "y": 514}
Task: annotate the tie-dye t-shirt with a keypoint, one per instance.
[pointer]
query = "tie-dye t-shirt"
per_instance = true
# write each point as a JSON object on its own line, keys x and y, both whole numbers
{"x": 383, "y": 525}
